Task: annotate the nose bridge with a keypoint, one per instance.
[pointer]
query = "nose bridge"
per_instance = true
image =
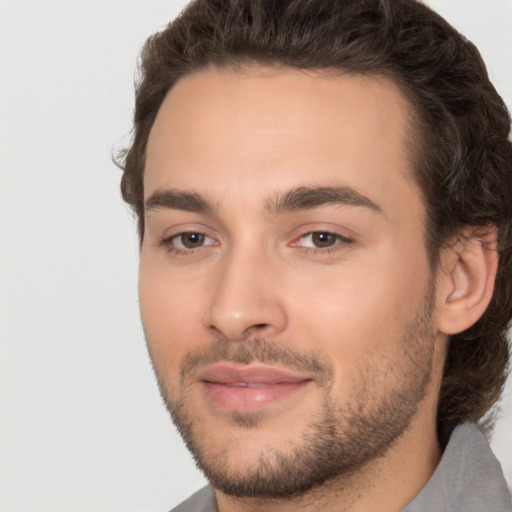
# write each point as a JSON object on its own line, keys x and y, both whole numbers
{"x": 245, "y": 297}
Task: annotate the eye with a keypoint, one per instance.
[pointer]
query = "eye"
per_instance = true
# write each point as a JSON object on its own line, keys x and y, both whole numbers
{"x": 322, "y": 240}
{"x": 187, "y": 241}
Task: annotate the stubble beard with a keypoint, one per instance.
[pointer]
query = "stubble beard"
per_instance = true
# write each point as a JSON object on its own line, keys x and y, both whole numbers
{"x": 343, "y": 439}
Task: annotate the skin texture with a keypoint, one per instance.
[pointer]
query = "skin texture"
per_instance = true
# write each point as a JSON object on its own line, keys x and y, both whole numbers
{"x": 356, "y": 315}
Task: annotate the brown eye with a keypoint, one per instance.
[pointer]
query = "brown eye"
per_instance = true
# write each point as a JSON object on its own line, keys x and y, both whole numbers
{"x": 323, "y": 240}
{"x": 318, "y": 240}
{"x": 190, "y": 240}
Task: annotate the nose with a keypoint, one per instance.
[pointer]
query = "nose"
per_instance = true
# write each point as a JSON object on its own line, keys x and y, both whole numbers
{"x": 246, "y": 297}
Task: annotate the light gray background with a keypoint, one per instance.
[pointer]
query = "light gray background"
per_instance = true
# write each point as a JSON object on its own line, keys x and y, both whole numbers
{"x": 81, "y": 423}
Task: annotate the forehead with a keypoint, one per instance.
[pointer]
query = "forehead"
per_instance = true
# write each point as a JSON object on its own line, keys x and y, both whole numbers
{"x": 265, "y": 129}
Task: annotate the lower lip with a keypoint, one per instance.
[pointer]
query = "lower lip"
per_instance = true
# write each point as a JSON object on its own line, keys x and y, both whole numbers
{"x": 251, "y": 399}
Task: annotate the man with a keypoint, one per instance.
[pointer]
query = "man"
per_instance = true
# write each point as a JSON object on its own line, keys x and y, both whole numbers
{"x": 323, "y": 189}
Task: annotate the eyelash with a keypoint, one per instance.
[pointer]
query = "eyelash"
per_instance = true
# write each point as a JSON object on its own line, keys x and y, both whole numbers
{"x": 340, "y": 240}
{"x": 167, "y": 243}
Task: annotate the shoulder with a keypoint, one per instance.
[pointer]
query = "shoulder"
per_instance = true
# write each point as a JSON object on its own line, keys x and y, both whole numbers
{"x": 201, "y": 501}
{"x": 469, "y": 477}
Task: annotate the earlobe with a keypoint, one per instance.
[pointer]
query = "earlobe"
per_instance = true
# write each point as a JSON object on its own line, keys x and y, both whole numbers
{"x": 466, "y": 279}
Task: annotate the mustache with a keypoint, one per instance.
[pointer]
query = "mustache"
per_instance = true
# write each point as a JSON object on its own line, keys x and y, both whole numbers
{"x": 257, "y": 350}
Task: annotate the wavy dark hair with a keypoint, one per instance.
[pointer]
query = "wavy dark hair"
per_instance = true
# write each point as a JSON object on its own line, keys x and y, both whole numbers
{"x": 462, "y": 155}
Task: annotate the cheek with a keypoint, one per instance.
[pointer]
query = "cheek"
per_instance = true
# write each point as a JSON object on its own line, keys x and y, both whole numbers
{"x": 170, "y": 311}
{"x": 359, "y": 312}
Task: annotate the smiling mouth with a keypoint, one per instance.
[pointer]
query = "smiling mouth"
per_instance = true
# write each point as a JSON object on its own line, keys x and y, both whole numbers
{"x": 249, "y": 389}
{"x": 247, "y": 385}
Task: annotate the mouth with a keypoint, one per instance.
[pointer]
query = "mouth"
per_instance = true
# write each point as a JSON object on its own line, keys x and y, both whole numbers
{"x": 251, "y": 388}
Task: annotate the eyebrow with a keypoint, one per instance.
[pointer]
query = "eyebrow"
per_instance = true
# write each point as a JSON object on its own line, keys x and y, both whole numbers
{"x": 304, "y": 198}
{"x": 300, "y": 198}
{"x": 179, "y": 200}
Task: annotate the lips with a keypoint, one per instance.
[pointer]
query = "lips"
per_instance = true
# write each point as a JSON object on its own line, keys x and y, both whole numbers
{"x": 247, "y": 389}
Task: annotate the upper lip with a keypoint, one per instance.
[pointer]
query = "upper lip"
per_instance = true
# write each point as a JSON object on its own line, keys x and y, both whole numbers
{"x": 226, "y": 373}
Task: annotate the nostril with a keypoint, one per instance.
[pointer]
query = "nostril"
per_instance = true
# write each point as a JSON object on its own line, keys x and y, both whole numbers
{"x": 257, "y": 329}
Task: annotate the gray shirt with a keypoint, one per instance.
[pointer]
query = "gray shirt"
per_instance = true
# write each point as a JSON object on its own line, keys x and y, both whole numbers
{"x": 468, "y": 479}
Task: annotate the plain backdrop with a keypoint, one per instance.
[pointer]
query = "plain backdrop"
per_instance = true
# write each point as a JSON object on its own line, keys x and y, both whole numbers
{"x": 82, "y": 427}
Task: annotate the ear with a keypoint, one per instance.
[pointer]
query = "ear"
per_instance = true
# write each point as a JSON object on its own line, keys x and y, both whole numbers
{"x": 465, "y": 280}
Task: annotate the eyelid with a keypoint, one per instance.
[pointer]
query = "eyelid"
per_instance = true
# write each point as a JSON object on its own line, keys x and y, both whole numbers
{"x": 178, "y": 235}
{"x": 167, "y": 242}
{"x": 341, "y": 241}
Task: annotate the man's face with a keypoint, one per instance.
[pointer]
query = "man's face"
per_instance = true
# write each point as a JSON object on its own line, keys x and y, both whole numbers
{"x": 285, "y": 288}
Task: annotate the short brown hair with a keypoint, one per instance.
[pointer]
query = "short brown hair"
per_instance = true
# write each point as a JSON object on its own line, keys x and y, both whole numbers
{"x": 462, "y": 158}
